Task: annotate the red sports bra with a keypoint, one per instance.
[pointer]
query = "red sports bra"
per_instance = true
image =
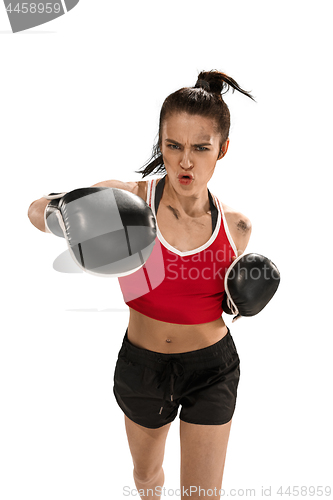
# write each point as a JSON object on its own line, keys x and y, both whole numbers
{"x": 182, "y": 287}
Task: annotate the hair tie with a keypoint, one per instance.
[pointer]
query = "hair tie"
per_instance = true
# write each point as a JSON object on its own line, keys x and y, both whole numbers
{"x": 203, "y": 84}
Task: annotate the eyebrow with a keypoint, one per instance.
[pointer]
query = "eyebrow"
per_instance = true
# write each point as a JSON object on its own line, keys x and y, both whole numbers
{"x": 201, "y": 144}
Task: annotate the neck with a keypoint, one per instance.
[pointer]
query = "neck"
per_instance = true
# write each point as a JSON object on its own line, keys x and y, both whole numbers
{"x": 193, "y": 204}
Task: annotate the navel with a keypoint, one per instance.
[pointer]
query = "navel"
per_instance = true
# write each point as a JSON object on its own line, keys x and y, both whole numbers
{"x": 168, "y": 341}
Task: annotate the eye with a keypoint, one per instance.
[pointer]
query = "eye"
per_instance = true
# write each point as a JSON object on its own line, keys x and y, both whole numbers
{"x": 173, "y": 146}
{"x": 202, "y": 148}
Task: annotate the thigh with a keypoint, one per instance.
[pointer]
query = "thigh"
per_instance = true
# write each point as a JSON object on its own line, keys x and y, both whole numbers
{"x": 203, "y": 452}
{"x": 147, "y": 446}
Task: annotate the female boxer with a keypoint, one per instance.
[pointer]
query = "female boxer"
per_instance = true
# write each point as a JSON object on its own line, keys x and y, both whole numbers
{"x": 177, "y": 350}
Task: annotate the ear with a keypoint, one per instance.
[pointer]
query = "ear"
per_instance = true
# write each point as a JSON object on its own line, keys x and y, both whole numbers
{"x": 224, "y": 149}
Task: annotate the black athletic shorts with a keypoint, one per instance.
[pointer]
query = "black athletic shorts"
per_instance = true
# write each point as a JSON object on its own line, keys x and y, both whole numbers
{"x": 149, "y": 386}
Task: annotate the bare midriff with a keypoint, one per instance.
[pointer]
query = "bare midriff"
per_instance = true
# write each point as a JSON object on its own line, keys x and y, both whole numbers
{"x": 169, "y": 338}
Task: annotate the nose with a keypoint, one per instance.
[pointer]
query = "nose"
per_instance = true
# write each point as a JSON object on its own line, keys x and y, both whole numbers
{"x": 186, "y": 162}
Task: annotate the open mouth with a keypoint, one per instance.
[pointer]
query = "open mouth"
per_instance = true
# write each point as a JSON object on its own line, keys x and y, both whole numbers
{"x": 185, "y": 178}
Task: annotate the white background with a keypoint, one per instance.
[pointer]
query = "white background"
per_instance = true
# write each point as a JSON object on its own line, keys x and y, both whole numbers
{"x": 80, "y": 100}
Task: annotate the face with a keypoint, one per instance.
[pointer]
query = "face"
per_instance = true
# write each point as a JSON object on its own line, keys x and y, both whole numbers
{"x": 190, "y": 146}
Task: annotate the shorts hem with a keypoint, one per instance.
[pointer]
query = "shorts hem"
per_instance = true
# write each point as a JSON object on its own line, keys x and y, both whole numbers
{"x": 139, "y": 423}
{"x": 206, "y": 423}
{"x": 146, "y": 426}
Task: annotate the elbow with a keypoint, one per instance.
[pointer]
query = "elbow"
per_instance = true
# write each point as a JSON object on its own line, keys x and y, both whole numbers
{"x": 35, "y": 218}
{"x": 31, "y": 212}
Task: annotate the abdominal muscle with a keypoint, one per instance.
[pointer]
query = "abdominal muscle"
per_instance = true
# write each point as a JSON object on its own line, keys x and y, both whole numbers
{"x": 170, "y": 338}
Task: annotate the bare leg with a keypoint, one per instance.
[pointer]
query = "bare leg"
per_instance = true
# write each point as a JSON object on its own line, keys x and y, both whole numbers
{"x": 147, "y": 448}
{"x": 203, "y": 452}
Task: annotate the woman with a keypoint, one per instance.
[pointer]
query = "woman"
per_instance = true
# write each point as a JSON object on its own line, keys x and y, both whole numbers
{"x": 177, "y": 350}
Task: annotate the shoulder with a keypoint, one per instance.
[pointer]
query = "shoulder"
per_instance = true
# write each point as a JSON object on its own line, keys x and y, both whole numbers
{"x": 239, "y": 225}
{"x": 137, "y": 187}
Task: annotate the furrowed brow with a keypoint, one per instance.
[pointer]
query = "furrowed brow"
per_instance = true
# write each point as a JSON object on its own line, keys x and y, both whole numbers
{"x": 199, "y": 144}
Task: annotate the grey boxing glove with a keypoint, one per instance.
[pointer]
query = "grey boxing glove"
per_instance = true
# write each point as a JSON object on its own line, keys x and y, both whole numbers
{"x": 109, "y": 231}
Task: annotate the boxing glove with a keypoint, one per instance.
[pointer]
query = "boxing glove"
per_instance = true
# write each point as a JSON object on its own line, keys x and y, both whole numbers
{"x": 109, "y": 231}
{"x": 52, "y": 224}
{"x": 250, "y": 283}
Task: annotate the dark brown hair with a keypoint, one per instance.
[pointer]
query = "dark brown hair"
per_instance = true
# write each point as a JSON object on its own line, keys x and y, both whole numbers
{"x": 204, "y": 99}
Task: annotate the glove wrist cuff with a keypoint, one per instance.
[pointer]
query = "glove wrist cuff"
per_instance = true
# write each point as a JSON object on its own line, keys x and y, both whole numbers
{"x": 54, "y": 196}
{"x": 51, "y": 220}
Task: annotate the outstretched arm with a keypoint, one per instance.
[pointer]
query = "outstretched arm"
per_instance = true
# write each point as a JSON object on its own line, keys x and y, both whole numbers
{"x": 37, "y": 207}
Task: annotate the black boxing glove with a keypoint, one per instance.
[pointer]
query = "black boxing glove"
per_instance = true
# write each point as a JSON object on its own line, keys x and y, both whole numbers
{"x": 109, "y": 231}
{"x": 250, "y": 283}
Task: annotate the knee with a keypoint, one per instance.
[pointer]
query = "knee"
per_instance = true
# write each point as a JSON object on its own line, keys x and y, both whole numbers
{"x": 147, "y": 476}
